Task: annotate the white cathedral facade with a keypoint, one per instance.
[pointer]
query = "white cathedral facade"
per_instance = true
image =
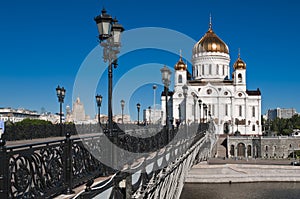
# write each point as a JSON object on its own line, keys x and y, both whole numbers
{"x": 234, "y": 109}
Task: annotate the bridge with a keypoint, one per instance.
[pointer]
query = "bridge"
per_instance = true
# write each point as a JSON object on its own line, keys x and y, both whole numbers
{"x": 142, "y": 163}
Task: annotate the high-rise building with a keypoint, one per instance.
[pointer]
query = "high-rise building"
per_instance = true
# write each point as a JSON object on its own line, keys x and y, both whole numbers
{"x": 284, "y": 113}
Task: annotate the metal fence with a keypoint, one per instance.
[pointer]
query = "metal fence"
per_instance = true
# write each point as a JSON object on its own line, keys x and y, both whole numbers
{"x": 47, "y": 169}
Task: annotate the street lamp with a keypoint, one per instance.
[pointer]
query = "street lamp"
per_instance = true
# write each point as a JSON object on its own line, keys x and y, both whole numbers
{"x": 185, "y": 93}
{"x": 154, "y": 89}
{"x": 122, "y": 107}
{"x": 149, "y": 114}
{"x": 99, "y": 102}
{"x": 205, "y": 112}
{"x": 109, "y": 36}
{"x": 166, "y": 76}
{"x": 60, "y": 92}
{"x": 138, "y": 106}
{"x": 200, "y": 107}
{"x": 195, "y": 97}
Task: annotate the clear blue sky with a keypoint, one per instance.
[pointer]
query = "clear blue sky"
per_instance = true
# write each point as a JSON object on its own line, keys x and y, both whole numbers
{"x": 44, "y": 43}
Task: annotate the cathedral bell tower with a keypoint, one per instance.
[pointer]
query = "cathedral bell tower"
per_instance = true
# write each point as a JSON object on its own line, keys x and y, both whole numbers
{"x": 180, "y": 74}
{"x": 239, "y": 73}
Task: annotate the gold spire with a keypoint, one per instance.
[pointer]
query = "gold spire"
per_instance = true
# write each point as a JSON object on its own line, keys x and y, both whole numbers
{"x": 180, "y": 65}
{"x": 210, "y": 23}
{"x": 239, "y": 63}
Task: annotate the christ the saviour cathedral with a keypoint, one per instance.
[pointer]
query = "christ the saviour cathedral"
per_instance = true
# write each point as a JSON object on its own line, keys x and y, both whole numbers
{"x": 234, "y": 109}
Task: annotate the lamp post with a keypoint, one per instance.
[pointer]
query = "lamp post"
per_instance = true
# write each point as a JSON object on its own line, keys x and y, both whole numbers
{"x": 200, "y": 107}
{"x": 205, "y": 110}
{"x": 109, "y": 36}
{"x": 149, "y": 114}
{"x": 195, "y": 97}
{"x": 154, "y": 94}
{"x": 185, "y": 93}
{"x": 122, "y": 107}
{"x": 99, "y": 102}
{"x": 60, "y": 92}
{"x": 166, "y": 76}
{"x": 138, "y": 106}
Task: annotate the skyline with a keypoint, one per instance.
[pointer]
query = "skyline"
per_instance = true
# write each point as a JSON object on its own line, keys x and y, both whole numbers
{"x": 45, "y": 43}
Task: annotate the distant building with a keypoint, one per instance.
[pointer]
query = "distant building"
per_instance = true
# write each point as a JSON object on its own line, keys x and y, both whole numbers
{"x": 118, "y": 119}
{"x": 17, "y": 115}
{"x": 284, "y": 113}
{"x": 77, "y": 115}
{"x": 151, "y": 116}
{"x": 53, "y": 118}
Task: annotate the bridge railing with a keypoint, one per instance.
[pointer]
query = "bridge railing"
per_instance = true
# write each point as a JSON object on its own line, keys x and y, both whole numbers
{"x": 149, "y": 167}
{"x": 46, "y": 169}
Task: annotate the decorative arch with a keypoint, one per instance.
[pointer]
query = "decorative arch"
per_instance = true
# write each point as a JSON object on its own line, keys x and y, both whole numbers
{"x": 241, "y": 149}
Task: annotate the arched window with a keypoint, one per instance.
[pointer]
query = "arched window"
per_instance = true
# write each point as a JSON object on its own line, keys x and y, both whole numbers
{"x": 249, "y": 148}
{"x": 217, "y": 69}
{"x": 202, "y": 69}
{"x": 267, "y": 148}
{"x": 240, "y": 78}
{"x": 223, "y": 72}
{"x": 210, "y": 69}
{"x": 253, "y": 111}
{"x": 241, "y": 149}
{"x": 180, "y": 79}
{"x": 253, "y": 127}
{"x": 232, "y": 150}
{"x": 240, "y": 111}
{"x": 226, "y": 109}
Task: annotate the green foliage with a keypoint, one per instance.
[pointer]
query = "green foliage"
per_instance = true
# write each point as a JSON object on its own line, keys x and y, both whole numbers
{"x": 284, "y": 126}
{"x": 28, "y": 122}
{"x": 34, "y": 128}
{"x": 296, "y": 154}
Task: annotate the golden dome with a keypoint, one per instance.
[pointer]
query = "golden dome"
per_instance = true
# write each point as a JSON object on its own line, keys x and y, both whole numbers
{"x": 239, "y": 63}
{"x": 210, "y": 42}
{"x": 180, "y": 65}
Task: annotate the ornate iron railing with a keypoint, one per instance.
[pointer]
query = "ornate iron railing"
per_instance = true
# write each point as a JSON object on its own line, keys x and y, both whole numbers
{"x": 182, "y": 154}
{"x": 47, "y": 169}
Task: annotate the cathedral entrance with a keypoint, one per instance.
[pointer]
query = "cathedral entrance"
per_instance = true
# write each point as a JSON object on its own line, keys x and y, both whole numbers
{"x": 241, "y": 150}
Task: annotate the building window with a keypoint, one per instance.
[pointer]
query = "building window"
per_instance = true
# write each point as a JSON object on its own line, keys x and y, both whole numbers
{"x": 223, "y": 72}
{"x": 249, "y": 149}
{"x": 202, "y": 69}
{"x": 180, "y": 79}
{"x": 266, "y": 148}
{"x": 217, "y": 69}
{"x": 253, "y": 111}
{"x": 213, "y": 109}
{"x": 210, "y": 69}
{"x": 240, "y": 77}
{"x": 226, "y": 109}
{"x": 232, "y": 150}
{"x": 240, "y": 111}
{"x": 253, "y": 127}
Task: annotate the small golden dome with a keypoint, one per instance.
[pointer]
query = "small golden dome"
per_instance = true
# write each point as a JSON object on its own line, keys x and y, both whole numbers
{"x": 180, "y": 65}
{"x": 239, "y": 63}
{"x": 210, "y": 42}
